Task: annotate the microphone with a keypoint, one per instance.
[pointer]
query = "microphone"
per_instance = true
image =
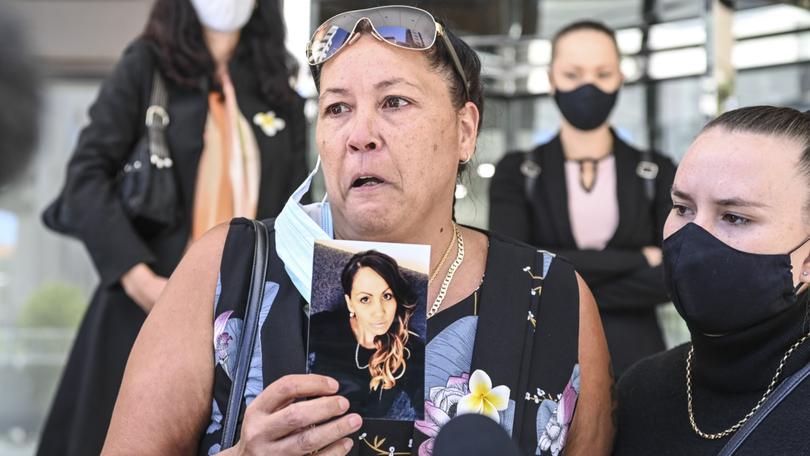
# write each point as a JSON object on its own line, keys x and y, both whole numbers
{"x": 473, "y": 435}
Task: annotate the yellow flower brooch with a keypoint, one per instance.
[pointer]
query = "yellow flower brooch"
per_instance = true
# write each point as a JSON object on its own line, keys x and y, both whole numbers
{"x": 269, "y": 123}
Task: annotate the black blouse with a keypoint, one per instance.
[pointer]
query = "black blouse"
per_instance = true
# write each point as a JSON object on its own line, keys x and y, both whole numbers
{"x": 626, "y": 288}
{"x": 400, "y": 435}
{"x": 333, "y": 351}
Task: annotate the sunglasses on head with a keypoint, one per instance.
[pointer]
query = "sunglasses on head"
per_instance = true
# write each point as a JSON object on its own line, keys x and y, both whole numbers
{"x": 405, "y": 27}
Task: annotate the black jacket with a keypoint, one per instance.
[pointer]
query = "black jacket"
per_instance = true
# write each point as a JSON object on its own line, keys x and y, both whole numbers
{"x": 117, "y": 123}
{"x": 81, "y": 410}
{"x": 626, "y": 288}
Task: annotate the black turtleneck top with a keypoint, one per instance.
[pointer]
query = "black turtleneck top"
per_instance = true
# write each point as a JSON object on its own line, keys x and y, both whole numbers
{"x": 729, "y": 375}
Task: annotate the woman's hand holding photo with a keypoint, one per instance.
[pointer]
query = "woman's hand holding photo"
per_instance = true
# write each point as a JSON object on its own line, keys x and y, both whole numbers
{"x": 278, "y": 422}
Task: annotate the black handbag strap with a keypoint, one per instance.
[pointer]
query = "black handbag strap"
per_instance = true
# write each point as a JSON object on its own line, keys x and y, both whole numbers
{"x": 531, "y": 171}
{"x": 779, "y": 394}
{"x": 254, "y": 304}
{"x": 647, "y": 170}
{"x": 157, "y": 119}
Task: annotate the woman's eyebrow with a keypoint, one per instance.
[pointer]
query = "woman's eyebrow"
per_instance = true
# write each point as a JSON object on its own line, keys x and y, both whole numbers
{"x": 333, "y": 91}
{"x": 384, "y": 84}
{"x": 740, "y": 202}
{"x": 726, "y": 202}
{"x": 681, "y": 194}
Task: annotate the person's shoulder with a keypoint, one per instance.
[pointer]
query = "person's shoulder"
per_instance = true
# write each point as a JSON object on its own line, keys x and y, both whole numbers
{"x": 239, "y": 227}
{"x": 514, "y": 159}
{"x": 501, "y": 242}
{"x": 138, "y": 51}
{"x": 650, "y": 376}
{"x": 658, "y": 158}
{"x": 332, "y": 326}
{"x": 135, "y": 66}
{"x": 664, "y": 162}
{"x": 416, "y": 343}
{"x": 211, "y": 244}
{"x": 510, "y": 163}
{"x": 327, "y": 317}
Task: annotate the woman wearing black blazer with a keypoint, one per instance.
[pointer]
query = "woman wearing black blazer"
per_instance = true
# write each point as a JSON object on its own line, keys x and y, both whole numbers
{"x": 207, "y": 58}
{"x": 611, "y": 230}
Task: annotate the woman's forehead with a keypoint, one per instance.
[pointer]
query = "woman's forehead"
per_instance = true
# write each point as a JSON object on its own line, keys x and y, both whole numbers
{"x": 727, "y": 164}
{"x": 368, "y": 275}
{"x": 586, "y": 46}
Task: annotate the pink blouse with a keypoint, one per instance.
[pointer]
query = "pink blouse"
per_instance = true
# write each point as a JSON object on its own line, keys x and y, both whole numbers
{"x": 594, "y": 213}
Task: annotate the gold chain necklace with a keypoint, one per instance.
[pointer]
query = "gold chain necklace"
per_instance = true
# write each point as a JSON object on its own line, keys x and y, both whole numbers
{"x": 444, "y": 256}
{"x": 450, "y": 273}
{"x": 739, "y": 424}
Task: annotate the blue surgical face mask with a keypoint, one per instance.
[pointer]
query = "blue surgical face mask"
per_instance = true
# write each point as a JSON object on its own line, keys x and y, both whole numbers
{"x": 297, "y": 228}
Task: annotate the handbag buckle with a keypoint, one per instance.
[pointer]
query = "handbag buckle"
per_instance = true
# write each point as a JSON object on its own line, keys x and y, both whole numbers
{"x": 530, "y": 169}
{"x": 647, "y": 170}
{"x": 156, "y": 112}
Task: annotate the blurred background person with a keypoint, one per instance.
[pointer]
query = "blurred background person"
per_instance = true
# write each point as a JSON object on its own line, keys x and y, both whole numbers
{"x": 591, "y": 197}
{"x": 19, "y": 92}
{"x": 236, "y": 137}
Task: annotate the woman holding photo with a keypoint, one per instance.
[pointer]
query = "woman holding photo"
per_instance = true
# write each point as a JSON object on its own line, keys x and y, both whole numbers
{"x": 366, "y": 345}
{"x": 398, "y": 120}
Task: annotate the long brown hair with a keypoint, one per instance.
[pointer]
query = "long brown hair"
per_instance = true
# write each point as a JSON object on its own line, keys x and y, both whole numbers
{"x": 389, "y": 361}
{"x": 176, "y": 35}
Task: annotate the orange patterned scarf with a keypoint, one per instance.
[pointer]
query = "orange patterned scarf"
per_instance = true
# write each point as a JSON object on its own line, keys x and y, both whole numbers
{"x": 228, "y": 173}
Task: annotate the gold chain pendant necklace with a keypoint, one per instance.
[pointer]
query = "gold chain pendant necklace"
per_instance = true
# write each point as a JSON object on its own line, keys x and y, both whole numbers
{"x": 759, "y": 404}
{"x": 444, "y": 257}
{"x": 450, "y": 272}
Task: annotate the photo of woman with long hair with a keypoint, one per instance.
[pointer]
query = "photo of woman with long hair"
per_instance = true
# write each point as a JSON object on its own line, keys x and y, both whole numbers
{"x": 366, "y": 343}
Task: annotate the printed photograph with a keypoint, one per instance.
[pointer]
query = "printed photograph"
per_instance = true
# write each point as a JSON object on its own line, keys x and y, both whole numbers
{"x": 367, "y": 326}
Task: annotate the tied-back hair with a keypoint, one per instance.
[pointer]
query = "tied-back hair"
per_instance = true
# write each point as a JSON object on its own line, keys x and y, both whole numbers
{"x": 577, "y": 26}
{"x": 389, "y": 361}
{"x": 175, "y": 33}
{"x": 774, "y": 121}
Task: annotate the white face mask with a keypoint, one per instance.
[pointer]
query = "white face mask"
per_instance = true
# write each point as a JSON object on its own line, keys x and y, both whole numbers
{"x": 297, "y": 228}
{"x": 224, "y": 15}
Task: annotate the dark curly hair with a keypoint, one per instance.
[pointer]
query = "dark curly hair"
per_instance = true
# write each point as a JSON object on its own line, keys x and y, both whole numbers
{"x": 175, "y": 33}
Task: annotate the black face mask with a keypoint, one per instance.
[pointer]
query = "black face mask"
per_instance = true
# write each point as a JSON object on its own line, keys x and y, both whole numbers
{"x": 585, "y": 107}
{"x": 719, "y": 290}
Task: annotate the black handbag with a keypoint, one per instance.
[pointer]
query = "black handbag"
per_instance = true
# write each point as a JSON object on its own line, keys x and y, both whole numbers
{"x": 236, "y": 399}
{"x": 146, "y": 183}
